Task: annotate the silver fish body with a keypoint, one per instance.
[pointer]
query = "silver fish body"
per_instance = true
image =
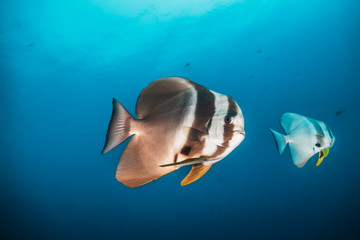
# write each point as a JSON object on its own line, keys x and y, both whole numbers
{"x": 305, "y": 136}
{"x": 179, "y": 123}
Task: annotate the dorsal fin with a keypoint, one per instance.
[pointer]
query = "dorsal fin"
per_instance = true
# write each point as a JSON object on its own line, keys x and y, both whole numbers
{"x": 197, "y": 171}
{"x": 289, "y": 121}
{"x": 163, "y": 95}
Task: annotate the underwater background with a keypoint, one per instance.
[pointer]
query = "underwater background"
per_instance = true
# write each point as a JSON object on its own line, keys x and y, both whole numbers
{"x": 62, "y": 62}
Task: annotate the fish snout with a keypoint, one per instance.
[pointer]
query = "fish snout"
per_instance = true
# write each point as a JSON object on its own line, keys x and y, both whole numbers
{"x": 242, "y": 132}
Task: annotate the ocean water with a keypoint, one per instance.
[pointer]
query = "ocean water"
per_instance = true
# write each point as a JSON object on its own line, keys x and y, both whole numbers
{"x": 62, "y": 62}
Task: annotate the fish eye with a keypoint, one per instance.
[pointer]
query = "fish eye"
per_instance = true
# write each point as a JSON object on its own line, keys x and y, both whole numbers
{"x": 318, "y": 145}
{"x": 228, "y": 120}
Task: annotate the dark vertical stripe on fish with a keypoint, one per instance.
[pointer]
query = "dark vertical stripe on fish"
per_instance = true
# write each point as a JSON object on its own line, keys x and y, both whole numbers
{"x": 229, "y": 128}
{"x": 204, "y": 111}
{"x": 329, "y": 131}
{"x": 205, "y": 107}
{"x": 318, "y": 129}
{"x": 232, "y": 110}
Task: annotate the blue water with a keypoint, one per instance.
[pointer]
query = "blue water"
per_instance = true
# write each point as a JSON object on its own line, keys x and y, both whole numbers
{"x": 61, "y": 62}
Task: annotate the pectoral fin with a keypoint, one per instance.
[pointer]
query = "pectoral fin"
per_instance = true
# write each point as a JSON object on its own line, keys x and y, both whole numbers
{"x": 195, "y": 135}
{"x": 197, "y": 171}
{"x": 322, "y": 154}
{"x": 187, "y": 161}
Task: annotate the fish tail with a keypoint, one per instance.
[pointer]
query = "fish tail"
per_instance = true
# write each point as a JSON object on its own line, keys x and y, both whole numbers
{"x": 119, "y": 127}
{"x": 279, "y": 140}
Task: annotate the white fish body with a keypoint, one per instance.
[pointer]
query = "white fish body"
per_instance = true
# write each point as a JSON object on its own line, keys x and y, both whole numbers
{"x": 180, "y": 123}
{"x": 305, "y": 136}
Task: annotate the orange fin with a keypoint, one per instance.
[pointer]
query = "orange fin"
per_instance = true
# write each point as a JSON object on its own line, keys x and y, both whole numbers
{"x": 197, "y": 171}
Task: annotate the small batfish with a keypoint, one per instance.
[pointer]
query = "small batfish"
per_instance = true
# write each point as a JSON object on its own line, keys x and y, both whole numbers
{"x": 306, "y": 137}
{"x": 179, "y": 123}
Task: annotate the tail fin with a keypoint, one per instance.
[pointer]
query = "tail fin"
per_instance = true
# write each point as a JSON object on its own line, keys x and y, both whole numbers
{"x": 119, "y": 127}
{"x": 279, "y": 140}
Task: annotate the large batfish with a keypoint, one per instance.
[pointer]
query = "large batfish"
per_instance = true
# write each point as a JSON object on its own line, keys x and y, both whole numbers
{"x": 305, "y": 136}
{"x": 179, "y": 123}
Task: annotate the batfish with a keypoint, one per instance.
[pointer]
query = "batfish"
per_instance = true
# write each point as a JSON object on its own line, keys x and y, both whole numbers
{"x": 179, "y": 123}
{"x": 305, "y": 136}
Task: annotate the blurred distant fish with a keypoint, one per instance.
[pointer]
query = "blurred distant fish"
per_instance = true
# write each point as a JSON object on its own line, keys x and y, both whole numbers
{"x": 187, "y": 65}
{"x": 30, "y": 45}
{"x": 338, "y": 113}
{"x": 180, "y": 123}
{"x": 306, "y": 137}
{"x": 258, "y": 51}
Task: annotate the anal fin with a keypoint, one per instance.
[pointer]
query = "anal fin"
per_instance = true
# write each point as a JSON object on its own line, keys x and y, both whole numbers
{"x": 139, "y": 163}
{"x": 300, "y": 153}
{"x": 197, "y": 171}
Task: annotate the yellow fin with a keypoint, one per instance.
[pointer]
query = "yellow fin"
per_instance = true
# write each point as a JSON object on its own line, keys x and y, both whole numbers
{"x": 197, "y": 171}
{"x": 322, "y": 154}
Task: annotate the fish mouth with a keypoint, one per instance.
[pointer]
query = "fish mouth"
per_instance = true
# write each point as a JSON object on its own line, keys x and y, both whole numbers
{"x": 242, "y": 132}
